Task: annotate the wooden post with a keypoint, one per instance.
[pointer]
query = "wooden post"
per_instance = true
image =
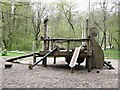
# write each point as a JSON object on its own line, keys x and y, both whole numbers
{"x": 33, "y": 49}
{"x": 88, "y": 63}
{"x": 54, "y": 60}
{"x": 68, "y": 46}
{"x": 51, "y": 44}
{"x": 73, "y": 70}
{"x": 86, "y": 32}
{"x": 92, "y": 47}
{"x": 45, "y": 43}
{"x": 48, "y": 44}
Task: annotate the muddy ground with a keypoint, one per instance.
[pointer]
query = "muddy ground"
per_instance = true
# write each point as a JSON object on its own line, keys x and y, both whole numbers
{"x": 56, "y": 76}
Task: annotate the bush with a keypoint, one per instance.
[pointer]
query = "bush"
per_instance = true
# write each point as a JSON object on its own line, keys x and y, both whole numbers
{"x": 4, "y": 52}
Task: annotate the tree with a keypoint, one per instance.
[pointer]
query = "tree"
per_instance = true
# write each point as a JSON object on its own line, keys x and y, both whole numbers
{"x": 66, "y": 9}
{"x": 100, "y": 20}
{"x": 38, "y": 15}
{"x": 14, "y": 28}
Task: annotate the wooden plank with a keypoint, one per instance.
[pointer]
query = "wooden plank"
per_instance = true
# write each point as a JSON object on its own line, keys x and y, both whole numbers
{"x": 74, "y": 57}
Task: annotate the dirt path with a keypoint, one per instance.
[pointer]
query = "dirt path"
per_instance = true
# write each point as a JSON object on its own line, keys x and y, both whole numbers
{"x": 57, "y": 76}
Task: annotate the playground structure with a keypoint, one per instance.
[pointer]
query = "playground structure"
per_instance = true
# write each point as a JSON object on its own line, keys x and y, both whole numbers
{"x": 88, "y": 51}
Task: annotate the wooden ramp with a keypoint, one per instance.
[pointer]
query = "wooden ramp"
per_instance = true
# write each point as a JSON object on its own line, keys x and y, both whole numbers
{"x": 74, "y": 57}
{"x": 98, "y": 54}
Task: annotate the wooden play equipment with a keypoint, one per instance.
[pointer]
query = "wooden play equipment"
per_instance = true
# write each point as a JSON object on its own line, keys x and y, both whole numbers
{"x": 88, "y": 51}
{"x": 44, "y": 57}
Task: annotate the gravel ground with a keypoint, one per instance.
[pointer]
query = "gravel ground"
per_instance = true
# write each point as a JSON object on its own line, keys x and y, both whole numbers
{"x": 56, "y": 76}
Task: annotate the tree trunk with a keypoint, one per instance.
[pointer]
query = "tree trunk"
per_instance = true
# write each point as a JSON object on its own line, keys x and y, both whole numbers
{"x": 105, "y": 41}
{"x": 102, "y": 41}
{"x": 104, "y": 21}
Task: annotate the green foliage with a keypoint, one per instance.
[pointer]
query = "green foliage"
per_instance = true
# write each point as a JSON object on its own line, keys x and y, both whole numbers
{"x": 18, "y": 31}
{"x": 4, "y": 52}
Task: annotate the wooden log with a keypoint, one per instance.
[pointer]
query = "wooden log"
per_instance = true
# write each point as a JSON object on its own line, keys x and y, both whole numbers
{"x": 8, "y": 65}
{"x": 108, "y": 64}
{"x": 20, "y": 57}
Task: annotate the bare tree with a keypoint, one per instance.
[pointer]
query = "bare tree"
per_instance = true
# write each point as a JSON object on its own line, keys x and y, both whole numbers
{"x": 38, "y": 15}
{"x": 66, "y": 9}
{"x": 101, "y": 20}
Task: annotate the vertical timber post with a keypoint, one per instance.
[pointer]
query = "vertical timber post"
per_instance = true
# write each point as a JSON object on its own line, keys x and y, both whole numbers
{"x": 45, "y": 43}
{"x": 68, "y": 42}
{"x": 33, "y": 49}
{"x": 86, "y": 30}
{"x": 51, "y": 44}
{"x": 88, "y": 63}
{"x": 54, "y": 44}
{"x": 54, "y": 60}
{"x": 85, "y": 33}
{"x": 48, "y": 44}
{"x": 86, "y": 43}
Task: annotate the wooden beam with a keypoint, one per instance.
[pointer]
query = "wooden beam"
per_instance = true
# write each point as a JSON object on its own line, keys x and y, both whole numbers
{"x": 65, "y": 39}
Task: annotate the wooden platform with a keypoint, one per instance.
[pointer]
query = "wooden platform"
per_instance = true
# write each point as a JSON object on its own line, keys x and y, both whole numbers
{"x": 63, "y": 53}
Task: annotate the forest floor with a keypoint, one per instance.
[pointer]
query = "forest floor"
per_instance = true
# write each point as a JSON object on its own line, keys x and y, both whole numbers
{"x": 56, "y": 76}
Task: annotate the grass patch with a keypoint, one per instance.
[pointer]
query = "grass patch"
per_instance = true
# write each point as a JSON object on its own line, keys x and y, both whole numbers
{"x": 111, "y": 54}
{"x": 13, "y": 54}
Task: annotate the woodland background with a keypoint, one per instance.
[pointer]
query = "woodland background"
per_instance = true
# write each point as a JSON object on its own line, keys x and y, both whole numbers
{"x": 21, "y": 23}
